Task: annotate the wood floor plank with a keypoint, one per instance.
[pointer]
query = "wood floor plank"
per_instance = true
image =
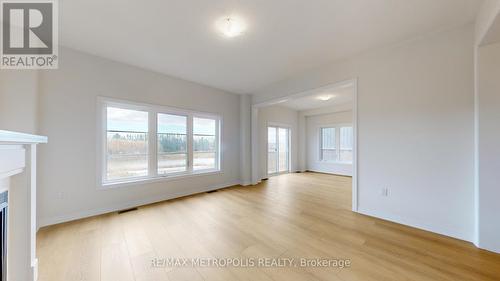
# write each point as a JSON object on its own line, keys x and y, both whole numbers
{"x": 292, "y": 216}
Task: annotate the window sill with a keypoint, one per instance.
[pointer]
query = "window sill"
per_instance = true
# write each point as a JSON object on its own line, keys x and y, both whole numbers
{"x": 159, "y": 178}
{"x": 335, "y": 162}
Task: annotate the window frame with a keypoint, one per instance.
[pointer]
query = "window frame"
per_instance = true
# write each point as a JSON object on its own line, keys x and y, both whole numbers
{"x": 337, "y": 128}
{"x": 321, "y": 149}
{"x": 153, "y": 110}
{"x": 340, "y": 143}
{"x": 191, "y": 145}
{"x": 155, "y": 172}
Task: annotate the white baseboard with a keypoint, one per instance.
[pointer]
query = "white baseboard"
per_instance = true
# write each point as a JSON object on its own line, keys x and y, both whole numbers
{"x": 125, "y": 205}
{"x": 443, "y": 230}
{"x": 325, "y": 171}
{"x": 495, "y": 248}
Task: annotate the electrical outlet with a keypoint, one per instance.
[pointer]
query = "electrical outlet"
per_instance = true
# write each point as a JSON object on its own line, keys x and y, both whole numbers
{"x": 61, "y": 195}
{"x": 385, "y": 192}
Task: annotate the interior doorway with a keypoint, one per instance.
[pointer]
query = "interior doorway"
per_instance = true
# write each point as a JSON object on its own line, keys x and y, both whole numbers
{"x": 322, "y": 136}
{"x": 278, "y": 150}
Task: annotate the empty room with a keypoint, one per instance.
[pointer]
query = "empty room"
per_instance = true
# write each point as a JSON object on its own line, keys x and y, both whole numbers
{"x": 345, "y": 140}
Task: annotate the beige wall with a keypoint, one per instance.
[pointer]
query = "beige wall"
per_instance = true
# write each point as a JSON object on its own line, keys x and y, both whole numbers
{"x": 415, "y": 128}
{"x": 67, "y": 170}
{"x": 19, "y": 100}
{"x": 487, "y": 13}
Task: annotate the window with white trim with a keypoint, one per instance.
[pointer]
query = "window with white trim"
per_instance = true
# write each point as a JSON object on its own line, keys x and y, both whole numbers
{"x": 328, "y": 144}
{"x": 172, "y": 148}
{"x": 336, "y": 143}
{"x": 346, "y": 143}
{"x": 146, "y": 142}
{"x": 204, "y": 143}
{"x": 127, "y": 143}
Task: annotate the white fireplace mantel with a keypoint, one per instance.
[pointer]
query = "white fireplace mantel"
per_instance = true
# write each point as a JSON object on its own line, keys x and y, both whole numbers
{"x": 18, "y": 176}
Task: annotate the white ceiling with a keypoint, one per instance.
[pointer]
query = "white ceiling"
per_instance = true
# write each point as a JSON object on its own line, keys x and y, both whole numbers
{"x": 341, "y": 94}
{"x": 284, "y": 37}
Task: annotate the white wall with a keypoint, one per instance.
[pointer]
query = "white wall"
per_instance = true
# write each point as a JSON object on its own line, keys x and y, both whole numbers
{"x": 67, "y": 167}
{"x": 488, "y": 147}
{"x": 415, "y": 134}
{"x": 313, "y": 126}
{"x": 487, "y": 228}
{"x": 280, "y": 115}
{"x": 19, "y": 100}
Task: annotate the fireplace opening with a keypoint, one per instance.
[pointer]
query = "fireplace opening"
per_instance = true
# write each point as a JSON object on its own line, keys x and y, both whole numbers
{"x": 3, "y": 233}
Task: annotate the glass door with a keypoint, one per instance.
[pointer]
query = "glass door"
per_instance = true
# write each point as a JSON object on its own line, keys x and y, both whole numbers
{"x": 272, "y": 151}
{"x": 278, "y": 150}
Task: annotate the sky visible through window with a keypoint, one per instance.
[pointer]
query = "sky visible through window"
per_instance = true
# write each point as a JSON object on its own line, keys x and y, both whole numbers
{"x": 202, "y": 126}
{"x": 171, "y": 124}
{"x": 126, "y": 120}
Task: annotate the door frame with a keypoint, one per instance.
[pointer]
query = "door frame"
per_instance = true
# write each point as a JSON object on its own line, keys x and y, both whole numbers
{"x": 289, "y": 141}
{"x": 255, "y": 133}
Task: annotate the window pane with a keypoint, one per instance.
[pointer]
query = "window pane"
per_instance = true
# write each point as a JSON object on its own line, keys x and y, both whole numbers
{"x": 172, "y": 163}
{"x": 328, "y": 138}
{"x": 329, "y": 154}
{"x": 172, "y": 143}
{"x": 126, "y": 155}
{"x": 204, "y": 144}
{"x": 272, "y": 149}
{"x": 127, "y": 143}
{"x": 328, "y": 145}
{"x": 204, "y": 160}
{"x": 283, "y": 149}
{"x": 126, "y": 120}
{"x": 203, "y": 126}
{"x": 346, "y": 144}
{"x": 172, "y": 124}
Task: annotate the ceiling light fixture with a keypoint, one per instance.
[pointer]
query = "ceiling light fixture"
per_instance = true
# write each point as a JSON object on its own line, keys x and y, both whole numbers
{"x": 230, "y": 26}
{"x": 325, "y": 97}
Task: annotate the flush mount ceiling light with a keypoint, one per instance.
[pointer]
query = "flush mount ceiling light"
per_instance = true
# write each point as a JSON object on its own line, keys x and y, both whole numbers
{"x": 230, "y": 26}
{"x": 325, "y": 97}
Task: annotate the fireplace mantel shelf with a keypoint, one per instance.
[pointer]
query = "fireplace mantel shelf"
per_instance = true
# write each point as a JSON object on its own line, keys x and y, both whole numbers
{"x": 8, "y": 137}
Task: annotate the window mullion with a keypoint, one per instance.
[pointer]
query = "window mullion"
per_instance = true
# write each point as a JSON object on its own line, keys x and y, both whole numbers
{"x": 277, "y": 150}
{"x": 104, "y": 160}
{"x": 337, "y": 143}
{"x": 321, "y": 144}
{"x": 152, "y": 144}
{"x": 190, "y": 143}
{"x": 217, "y": 144}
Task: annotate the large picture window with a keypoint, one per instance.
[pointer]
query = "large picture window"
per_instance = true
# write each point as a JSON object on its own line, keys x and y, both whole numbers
{"x": 204, "y": 143}
{"x": 336, "y": 143}
{"x": 172, "y": 144}
{"x": 127, "y": 143}
{"x": 144, "y": 142}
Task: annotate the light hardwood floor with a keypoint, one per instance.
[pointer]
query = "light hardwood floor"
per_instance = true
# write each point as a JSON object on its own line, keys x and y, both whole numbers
{"x": 296, "y": 215}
